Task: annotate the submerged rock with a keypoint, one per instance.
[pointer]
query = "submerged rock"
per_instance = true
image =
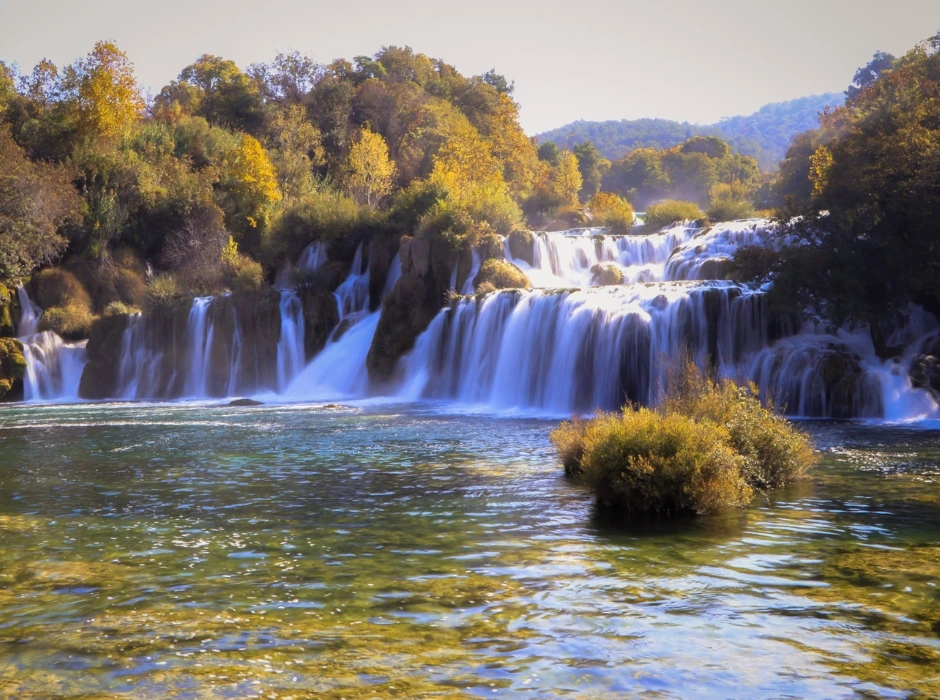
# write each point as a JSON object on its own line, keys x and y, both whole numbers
{"x": 245, "y": 402}
{"x": 604, "y": 274}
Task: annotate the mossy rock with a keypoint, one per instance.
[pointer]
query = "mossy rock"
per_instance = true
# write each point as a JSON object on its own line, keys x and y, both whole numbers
{"x": 321, "y": 315}
{"x": 522, "y": 246}
{"x": 500, "y": 274}
{"x": 56, "y": 287}
{"x": 326, "y": 278}
{"x": 605, "y": 274}
{"x": 69, "y": 322}
{"x": 12, "y": 368}
{"x": 6, "y": 311}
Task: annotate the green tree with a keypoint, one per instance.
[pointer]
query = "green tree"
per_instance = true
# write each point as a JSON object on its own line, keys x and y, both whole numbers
{"x": 593, "y": 167}
{"x": 36, "y": 201}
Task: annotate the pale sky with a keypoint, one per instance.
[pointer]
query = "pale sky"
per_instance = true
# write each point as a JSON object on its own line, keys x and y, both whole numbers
{"x": 688, "y": 60}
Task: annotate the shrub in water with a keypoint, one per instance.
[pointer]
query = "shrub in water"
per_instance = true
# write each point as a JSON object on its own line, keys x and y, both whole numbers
{"x": 671, "y": 211}
{"x": 708, "y": 446}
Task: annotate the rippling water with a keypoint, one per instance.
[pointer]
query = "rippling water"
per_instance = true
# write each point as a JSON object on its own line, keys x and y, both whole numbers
{"x": 153, "y": 551}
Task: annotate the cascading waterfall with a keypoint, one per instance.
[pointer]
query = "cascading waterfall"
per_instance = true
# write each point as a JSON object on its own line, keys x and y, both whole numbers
{"x": 53, "y": 367}
{"x": 290, "y": 346}
{"x": 567, "y": 345}
{"x": 562, "y": 351}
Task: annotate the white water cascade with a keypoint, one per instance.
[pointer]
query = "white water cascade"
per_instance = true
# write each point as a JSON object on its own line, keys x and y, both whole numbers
{"x": 558, "y": 350}
{"x": 53, "y": 367}
{"x": 290, "y": 345}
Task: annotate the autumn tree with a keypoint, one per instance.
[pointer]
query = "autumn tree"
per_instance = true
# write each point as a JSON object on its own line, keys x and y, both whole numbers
{"x": 593, "y": 167}
{"x": 566, "y": 179}
{"x": 109, "y": 99}
{"x": 368, "y": 171}
{"x": 251, "y": 185}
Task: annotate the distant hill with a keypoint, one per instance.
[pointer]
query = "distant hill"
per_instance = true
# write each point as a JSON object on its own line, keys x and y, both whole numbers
{"x": 764, "y": 135}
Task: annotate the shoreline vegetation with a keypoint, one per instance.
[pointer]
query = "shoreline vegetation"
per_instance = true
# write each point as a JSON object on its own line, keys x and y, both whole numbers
{"x": 710, "y": 444}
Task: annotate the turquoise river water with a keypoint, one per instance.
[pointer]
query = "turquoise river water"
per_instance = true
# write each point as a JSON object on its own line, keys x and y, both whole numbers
{"x": 200, "y": 551}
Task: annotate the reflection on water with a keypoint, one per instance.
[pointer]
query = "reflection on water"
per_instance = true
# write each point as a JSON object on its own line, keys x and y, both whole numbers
{"x": 199, "y": 551}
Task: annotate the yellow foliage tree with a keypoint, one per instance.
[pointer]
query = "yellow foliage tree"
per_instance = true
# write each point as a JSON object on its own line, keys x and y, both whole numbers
{"x": 368, "y": 172}
{"x": 298, "y": 148}
{"x": 566, "y": 179}
{"x": 253, "y": 179}
{"x": 108, "y": 96}
{"x": 819, "y": 165}
{"x": 465, "y": 168}
{"x": 612, "y": 211}
{"x": 512, "y": 148}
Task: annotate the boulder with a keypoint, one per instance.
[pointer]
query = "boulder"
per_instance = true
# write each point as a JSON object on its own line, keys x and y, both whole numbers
{"x": 6, "y": 311}
{"x": 415, "y": 300}
{"x": 605, "y": 274}
{"x": 321, "y": 315}
{"x": 12, "y": 369}
{"x": 496, "y": 273}
{"x": 925, "y": 367}
{"x": 245, "y": 402}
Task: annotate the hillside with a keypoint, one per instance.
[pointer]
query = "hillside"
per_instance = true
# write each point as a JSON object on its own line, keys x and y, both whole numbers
{"x": 763, "y": 135}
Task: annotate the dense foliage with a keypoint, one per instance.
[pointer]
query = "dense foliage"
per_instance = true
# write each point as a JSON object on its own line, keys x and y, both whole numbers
{"x": 764, "y": 135}
{"x": 858, "y": 240}
{"x": 708, "y": 446}
{"x": 227, "y": 173}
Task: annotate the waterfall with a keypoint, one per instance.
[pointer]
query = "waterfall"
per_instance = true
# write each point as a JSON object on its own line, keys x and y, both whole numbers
{"x": 554, "y": 349}
{"x": 53, "y": 367}
{"x": 290, "y": 345}
{"x": 28, "y": 323}
{"x": 200, "y": 343}
{"x": 352, "y": 296}
{"x": 579, "y": 350}
{"x": 339, "y": 371}
{"x": 311, "y": 259}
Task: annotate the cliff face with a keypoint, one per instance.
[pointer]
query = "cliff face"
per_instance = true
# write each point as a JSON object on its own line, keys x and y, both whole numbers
{"x": 413, "y": 303}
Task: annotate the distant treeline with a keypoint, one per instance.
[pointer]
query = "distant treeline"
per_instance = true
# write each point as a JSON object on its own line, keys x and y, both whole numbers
{"x": 764, "y": 135}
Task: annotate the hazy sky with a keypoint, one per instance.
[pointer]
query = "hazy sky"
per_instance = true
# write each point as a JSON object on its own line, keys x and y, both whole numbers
{"x": 579, "y": 59}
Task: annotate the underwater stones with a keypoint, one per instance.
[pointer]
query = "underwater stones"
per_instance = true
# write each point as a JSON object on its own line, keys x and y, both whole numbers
{"x": 501, "y": 274}
{"x": 12, "y": 369}
{"x": 605, "y": 274}
{"x": 320, "y": 317}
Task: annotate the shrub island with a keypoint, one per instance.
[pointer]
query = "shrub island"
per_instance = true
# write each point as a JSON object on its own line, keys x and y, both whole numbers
{"x": 708, "y": 446}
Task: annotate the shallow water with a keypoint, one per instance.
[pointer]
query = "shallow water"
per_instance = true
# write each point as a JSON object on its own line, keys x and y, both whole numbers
{"x": 185, "y": 551}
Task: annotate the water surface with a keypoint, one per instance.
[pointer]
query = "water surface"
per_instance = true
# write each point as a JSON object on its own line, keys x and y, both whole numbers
{"x": 183, "y": 551}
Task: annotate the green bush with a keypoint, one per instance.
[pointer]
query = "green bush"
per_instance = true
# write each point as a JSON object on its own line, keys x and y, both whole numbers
{"x": 321, "y": 216}
{"x": 496, "y": 273}
{"x": 245, "y": 274}
{"x": 647, "y": 463}
{"x": 163, "y": 291}
{"x": 119, "y": 308}
{"x": 708, "y": 446}
{"x": 728, "y": 209}
{"x": 671, "y": 211}
{"x": 71, "y": 322}
{"x": 612, "y": 212}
